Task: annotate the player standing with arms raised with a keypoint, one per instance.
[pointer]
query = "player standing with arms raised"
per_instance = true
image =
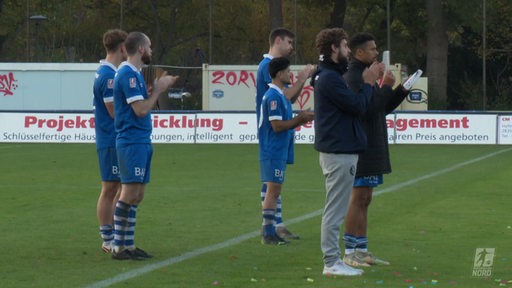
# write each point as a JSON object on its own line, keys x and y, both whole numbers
{"x": 281, "y": 45}
{"x": 276, "y": 120}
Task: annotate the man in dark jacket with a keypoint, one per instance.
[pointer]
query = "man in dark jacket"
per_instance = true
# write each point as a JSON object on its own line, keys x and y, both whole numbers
{"x": 374, "y": 162}
{"x": 339, "y": 137}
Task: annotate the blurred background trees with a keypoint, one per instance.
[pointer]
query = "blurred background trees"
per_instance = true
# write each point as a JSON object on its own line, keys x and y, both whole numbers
{"x": 441, "y": 37}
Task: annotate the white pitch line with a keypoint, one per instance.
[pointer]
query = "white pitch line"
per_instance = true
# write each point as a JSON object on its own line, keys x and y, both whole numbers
{"x": 237, "y": 240}
{"x": 439, "y": 172}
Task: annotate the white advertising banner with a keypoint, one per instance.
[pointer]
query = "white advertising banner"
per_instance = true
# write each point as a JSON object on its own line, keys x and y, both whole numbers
{"x": 173, "y": 128}
{"x": 46, "y": 86}
{"x": 232, "y": 88}
{"x": 505, "y": 129}
{"x": 25, "y": 127}
{"x": 305, "y": 134}
{"x": 431, "y": 128}
{"x": 403, "y": 128}
{"x": 221, "y": 128}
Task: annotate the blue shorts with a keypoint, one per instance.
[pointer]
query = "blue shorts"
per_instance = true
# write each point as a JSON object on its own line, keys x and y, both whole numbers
{"x": 272, "y": 171}
{"x": 135, "y": 162}
{"x": 369, "y": 181}
{"x": 109, "y": 167}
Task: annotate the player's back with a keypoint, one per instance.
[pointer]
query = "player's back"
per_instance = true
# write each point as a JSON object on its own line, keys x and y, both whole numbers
{"x": 262, "y": 80}
{"x": 103, "y": 90}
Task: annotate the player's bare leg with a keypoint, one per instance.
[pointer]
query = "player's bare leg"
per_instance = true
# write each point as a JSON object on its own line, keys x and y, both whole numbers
{"x": 356, "y": 222}
{"x": 125, "y": 220}
{"x": 357, "y": 214}
{"x": 268, "y": 213}
{"x": 105, "y": 212}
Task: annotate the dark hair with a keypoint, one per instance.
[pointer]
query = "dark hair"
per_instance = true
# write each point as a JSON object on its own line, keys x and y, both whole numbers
{"x": 281, "y": 33}
{"x": 277, "y": 64}
{"x": 113, "y": 38}
{"x": 328, "y": 37}
{"x": 133, "y": 41}
{"x": 359, "y": 40}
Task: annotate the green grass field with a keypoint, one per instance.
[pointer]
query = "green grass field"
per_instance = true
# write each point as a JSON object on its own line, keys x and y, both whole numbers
{"x": 201, "y": 217}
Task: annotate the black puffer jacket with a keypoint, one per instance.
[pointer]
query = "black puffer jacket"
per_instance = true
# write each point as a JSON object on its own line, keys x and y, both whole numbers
{"x": 375, "y": 160}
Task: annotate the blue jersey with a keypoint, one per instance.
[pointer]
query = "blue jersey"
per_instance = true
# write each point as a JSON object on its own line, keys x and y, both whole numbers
{"x": 103, "y": 91}
{"x": 274, "y": 106}
{"x": 262, "y": 80}
{"x": 129, "y": 86}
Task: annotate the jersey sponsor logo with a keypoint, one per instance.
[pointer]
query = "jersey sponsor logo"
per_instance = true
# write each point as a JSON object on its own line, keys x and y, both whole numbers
{"x": 110, "y": 84}
{"x": 273, "y": 105}
{"x": 133, "y": 82}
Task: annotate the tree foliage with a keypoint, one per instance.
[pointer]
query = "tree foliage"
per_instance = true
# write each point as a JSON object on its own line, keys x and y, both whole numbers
{"x": 184, "y": 34}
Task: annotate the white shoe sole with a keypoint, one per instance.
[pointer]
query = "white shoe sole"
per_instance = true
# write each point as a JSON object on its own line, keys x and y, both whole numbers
{"x": 345, "y": 271}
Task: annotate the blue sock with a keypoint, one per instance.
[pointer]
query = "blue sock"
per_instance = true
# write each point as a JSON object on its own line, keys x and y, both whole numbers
{"x": 362, "y": 243}
{"x": 350, "y": 243}
{"x": 121, "y": 214}
{"x": 268, "y": 222}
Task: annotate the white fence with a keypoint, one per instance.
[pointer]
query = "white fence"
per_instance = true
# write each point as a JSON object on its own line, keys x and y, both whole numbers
{"x": 68, "y": 86}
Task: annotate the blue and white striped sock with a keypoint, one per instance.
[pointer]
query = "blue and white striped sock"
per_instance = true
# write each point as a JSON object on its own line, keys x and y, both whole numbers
{"x": 279, "y": 212}
{"x": 129, "y": 240}
{"x": 107, "y": 233}
{"x": 350, "y": 243}
{"x": 268, "y": 222}
{"x": 121, "y": 214}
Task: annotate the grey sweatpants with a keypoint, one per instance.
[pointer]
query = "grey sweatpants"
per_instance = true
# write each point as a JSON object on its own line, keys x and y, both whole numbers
{"x": 339, "y": 171}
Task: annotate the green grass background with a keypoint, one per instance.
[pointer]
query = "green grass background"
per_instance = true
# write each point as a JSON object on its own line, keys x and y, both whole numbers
{"x": 201, "y": 195}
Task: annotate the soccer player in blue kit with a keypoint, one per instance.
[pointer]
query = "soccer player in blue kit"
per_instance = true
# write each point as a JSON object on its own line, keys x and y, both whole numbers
{"x": 281, "y": 45}
{"x": 132, "y": 106}
{"x": 103, "y": 89}
{"x": 274, "y": 141}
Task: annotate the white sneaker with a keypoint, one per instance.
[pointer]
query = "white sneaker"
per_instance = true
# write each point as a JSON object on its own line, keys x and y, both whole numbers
{"x": 369, "y": 258}
{"x": 341, "y": 269}
{"x": 107, "y": 247}
{"x": 354, "y": 260}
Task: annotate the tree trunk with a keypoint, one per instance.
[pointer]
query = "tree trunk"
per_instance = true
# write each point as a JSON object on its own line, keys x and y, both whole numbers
{"x": 338, "y": 13}
{"x": 437, "y": 52}
{"x": 275, "y": 13}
